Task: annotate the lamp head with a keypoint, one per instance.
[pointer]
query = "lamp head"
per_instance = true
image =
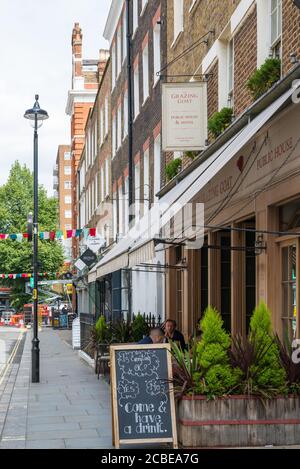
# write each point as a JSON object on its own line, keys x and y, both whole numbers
{"x": 36, "y": 113}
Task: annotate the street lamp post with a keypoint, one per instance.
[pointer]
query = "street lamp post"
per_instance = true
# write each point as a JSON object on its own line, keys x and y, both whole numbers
{"x": 37, "y": 116}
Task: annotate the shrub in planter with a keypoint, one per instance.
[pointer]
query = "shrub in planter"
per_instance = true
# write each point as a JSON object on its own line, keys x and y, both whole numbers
{"x": 173, "y": 168}
{"x": 216, "y": 376}
{"x": 185, "y": 368}
{"x": 220, "y": 121}
{"x": 269, "y": 373}
{"x": 292, "y": 369}
{"x": 100, "y": 334}
{"x": 139, "y": 328}
{"x": 265, "y": 77}
{"x": 102, "y": 331}
{"x": 122, "y": 331}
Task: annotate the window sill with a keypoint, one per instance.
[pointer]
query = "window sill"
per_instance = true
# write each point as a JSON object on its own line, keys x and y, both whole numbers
{"x": 136, "y": 117}
{"x": 134, "y": 33}
{"x": 176, "y": 39}
{"x": 144, "y": 9}
{"x": 156, "y": 80}
{"x": 146, "y": 100}
{"x": 193, "y": 6}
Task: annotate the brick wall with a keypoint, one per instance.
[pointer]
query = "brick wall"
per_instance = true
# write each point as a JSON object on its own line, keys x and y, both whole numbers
{"x": 62, "y": 192}
{"x": 103, "y": 150}
{"x": 245, "y": 62}
{"x": 149, "y": 117}
{"x": 290, "y": 33}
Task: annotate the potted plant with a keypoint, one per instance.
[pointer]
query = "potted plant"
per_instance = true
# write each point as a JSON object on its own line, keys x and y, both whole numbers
{"x": 219, "y": 121}
{"x": 173, "y": 168}
{"x": 139, "y": 328}
{"x": 264, "y": 77}
{"x": 238, "y": 391}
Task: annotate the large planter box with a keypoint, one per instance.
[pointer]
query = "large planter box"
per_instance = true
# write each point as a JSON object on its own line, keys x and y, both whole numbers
{"x": 238, "y": 421}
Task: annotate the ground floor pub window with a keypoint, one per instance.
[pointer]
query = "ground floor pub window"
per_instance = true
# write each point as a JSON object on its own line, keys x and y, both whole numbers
{"x": 289, "y": 288}
{"x": 225, "y": 259}
{"x": 204, "y": 278}
{"x": 250, "y": 276}
{"x": 120, "y": 294}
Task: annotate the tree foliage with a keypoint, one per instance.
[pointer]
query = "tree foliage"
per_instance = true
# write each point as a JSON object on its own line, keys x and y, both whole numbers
{"x": 16, "y": 201}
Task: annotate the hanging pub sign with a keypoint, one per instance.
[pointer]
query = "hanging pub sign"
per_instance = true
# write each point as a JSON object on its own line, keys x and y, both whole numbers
{"x": 143, "y": 406}
{"x": 184, "y": 116}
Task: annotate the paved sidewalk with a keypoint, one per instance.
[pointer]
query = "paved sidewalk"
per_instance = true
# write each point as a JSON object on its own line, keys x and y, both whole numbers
{"x": 69, "y": 408}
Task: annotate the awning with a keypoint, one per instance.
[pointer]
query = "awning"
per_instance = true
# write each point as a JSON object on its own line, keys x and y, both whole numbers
{"x": 136, "y": 247}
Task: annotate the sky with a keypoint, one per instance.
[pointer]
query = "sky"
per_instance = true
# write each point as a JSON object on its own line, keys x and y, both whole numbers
{"x": 36, "y": 58}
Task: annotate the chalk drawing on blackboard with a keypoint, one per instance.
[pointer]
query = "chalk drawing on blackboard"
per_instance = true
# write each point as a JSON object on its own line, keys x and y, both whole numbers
{"x": 156, "y": 387}
{"x": 127, "y": 390}
{"x": 141, "y": 363}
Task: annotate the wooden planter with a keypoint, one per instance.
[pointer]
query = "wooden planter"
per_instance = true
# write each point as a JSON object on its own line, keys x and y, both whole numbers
{"x": 238, "y": 421}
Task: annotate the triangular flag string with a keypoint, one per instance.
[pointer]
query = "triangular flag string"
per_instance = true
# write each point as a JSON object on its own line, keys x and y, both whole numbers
{"x": 52, "y": 235}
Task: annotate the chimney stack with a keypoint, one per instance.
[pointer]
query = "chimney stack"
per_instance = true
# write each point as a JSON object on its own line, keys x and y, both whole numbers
{"x": 77, "y": 50}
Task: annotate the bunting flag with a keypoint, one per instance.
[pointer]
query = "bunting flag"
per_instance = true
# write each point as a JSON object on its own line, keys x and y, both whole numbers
{"x": 52, "y": 235}
{"x": 17, "y": 276}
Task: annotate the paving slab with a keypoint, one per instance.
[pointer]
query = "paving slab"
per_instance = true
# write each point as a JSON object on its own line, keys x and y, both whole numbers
{"x": 67, "y": 409}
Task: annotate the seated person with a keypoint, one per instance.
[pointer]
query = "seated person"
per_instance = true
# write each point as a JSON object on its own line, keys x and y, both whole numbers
{"x": 173, "y": 334}
{"x": 156, "y": 336}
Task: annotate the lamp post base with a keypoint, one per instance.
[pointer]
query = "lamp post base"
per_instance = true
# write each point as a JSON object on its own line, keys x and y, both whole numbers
{"x": 35, "y": 361}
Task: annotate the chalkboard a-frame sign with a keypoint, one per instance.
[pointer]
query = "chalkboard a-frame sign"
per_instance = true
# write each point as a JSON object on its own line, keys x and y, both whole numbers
{"x": 143, "y": 407}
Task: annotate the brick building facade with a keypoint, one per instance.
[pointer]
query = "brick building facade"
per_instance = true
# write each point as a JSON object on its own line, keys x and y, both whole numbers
{"x": 85, "y": 79}
{"x": 241, "y": 196}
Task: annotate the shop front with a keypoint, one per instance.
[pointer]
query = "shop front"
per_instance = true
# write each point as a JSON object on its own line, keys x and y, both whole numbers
{"x": 251, "y": 248}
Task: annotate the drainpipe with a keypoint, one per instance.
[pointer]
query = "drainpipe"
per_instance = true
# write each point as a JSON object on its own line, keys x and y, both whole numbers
{"x": 130, "y": 110}
{"x": 130, "y": 135}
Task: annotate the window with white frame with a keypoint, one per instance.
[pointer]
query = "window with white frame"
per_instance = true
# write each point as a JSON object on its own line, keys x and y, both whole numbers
{"x": 93, "y": 196}
{"x": 135, "y": 15}
{"x": 146, "y": 72}
{"x": 95, "y": 137}
{"x": 114, "y": 135}
{"x": 68, "y": 213}
{"x": 137, "y": 183}
{"x": 124, "y": 34}
{"x": 119, "y": 51}
{"x": 156, "y": 52}
{"x": 68, "y": 199}
{"x": 126, "y": 204}
{"x": 121, "y": 229}
{"x": 115, "y": 218}
{"x": 102, "y": 184}
{"x": 276, "y": 27}
{"x": 67, "y": 156}
{"x": 144, "y": 4}
{"x": 97, "y": 197}
{"x": 157, "y": 165}
{"x": 67, "y": 170}
{"x": 119, "y": 127}
{"x": 106, "y": 116}
{"x": 91, "y": 202}
{"x": 136, "y": 85}
{"x": 230, "y": 72}
{"x": 101, "y": 127}
{"x": 68, "y": 185}
{"x": 99, "y": 187}
{"x": 106, "y": 178}
{"x": 146, "y": 180}
{"x": 178, "y": 17}
{"x": 113, "y": 64}
{"x": 125, "y": 114}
